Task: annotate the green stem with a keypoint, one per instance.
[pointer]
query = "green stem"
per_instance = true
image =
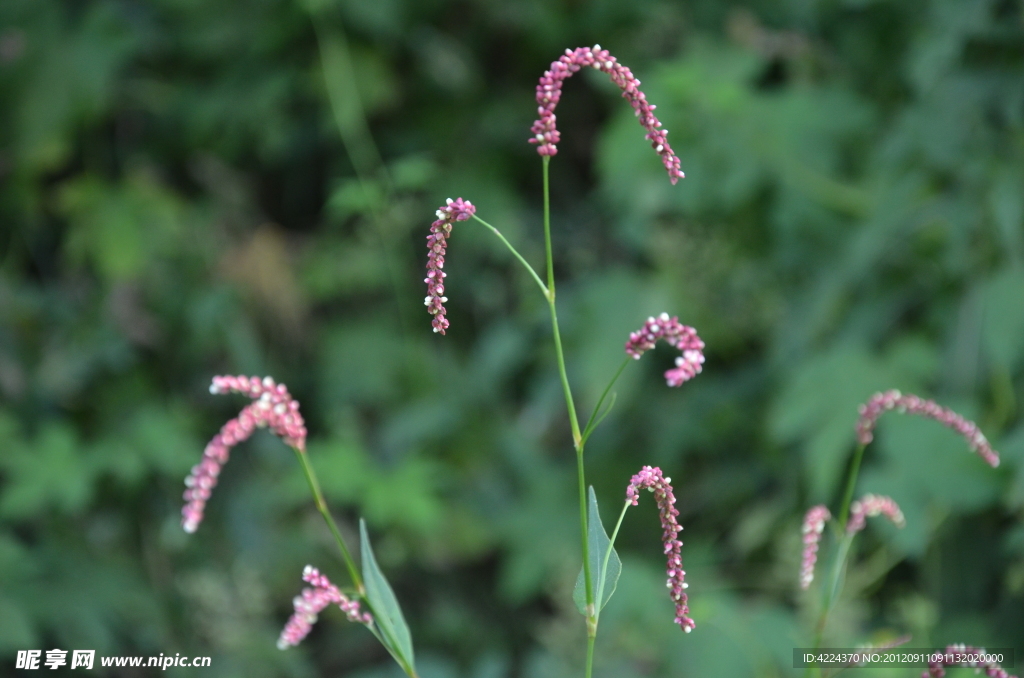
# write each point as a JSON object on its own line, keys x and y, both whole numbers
{"x": 851, "y": 484}
{"x": 321, "y": 505}
{"x": 353, "y": 571}
{"x": 357, "y": 138}
{"x": 611, "y": 542}
{"x": 547, "y": 230}
{"x": 577, "y": 439}
{"x": 540, "y": 283}
{"x": 347, "y": 105}
{"x": 592, "y": 619}
{"x": 573, "y": 421}
{"x": 592, "y": 421}
{"x": 832, "y": 592}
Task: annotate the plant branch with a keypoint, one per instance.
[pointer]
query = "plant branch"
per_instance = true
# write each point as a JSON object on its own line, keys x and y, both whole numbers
{"x": 533, "y": 273}
{"x": 321, "y": 505}
{"x": 592, "y": 422}
{"x": 851, "y": 484}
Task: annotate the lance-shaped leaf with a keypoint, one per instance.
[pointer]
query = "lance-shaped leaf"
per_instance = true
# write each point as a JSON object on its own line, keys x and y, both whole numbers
{"x": 602, "y": 579}
{"x": 387, "y": 615}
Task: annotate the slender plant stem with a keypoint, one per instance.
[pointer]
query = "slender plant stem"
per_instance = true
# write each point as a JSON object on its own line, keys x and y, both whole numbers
{"x": 357, "y": 138}
{"x": 577, "y": 439}
{"x": 592, "y": 621}
{"x": 533, "y": 273}
{"x": 547, "y": 230}
{"x": 353, "y": 571}
{"x": 611, "y": 542}
{"x": 321, "y": 504}
{"x": 843, "y": 550}
{"x": 851, "y": 484}
{"x": 573, "y": 421}
{"x": 593, "y": 421}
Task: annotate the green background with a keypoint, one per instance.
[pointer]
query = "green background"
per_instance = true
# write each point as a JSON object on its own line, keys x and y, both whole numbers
{"x": 200, "y": 187}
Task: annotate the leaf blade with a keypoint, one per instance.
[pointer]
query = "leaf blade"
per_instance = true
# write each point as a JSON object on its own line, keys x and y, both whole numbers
{"x": 603, "y": 579}
{"x": 387, "y": 612}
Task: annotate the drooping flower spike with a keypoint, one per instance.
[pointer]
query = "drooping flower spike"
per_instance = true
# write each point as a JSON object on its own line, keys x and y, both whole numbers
{"x": 447, "y": 214}
{"x": 870, "y": 506}
{"x": 936, "y": 669}
{"x": 274, "y": 409}
{"x": 312, "y": 602}
{"x": 912, "y": 404}
{"x": 549, "y": 91}
{"x": 676, "y": 334}
{"x": 814, "y": 525}
{"x": 653, "y": 480}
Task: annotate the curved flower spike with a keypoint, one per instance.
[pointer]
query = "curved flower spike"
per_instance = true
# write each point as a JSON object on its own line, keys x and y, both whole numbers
{"x": 912, "y": 404}
{"x": 452, "y": 211}
{"x": 274, "y": 409}
{"x": 313, "y": 601}
{"x": 675, "y": 333}
{"x": 814, "y": 525}
{"x": 549, "y": 91}
{"x": 652, "y": 480}
{"x": 870, "y": 506}
{"x": 954, "y": 656}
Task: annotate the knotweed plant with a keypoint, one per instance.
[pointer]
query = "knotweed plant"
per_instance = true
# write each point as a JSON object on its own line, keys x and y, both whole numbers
{"x": 601, "y": 565}
{"x": 853, "y": 514}
{"x": 370, "y": 602}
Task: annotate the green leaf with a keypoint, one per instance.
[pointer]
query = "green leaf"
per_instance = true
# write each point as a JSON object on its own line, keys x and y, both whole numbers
{"x": 602, "y": 581}
{"x": 1003, "y": 321}
{"x": 386, "y": 612}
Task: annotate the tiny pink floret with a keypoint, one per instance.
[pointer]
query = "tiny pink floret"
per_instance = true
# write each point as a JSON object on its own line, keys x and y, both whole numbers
{"x": 437, "y": 243}
{"x": 274, "y": 409}
{"x": 912, "y": 404}
{"x": 814, "y": 525}
{"x": 312, "y": 602}
{"x": 870, "y": 506}
{"x": 682, "y": 337}
{"x": 652, "y": 479}
{"x": 549, "y": 91}
{"x": 953, "y": 653}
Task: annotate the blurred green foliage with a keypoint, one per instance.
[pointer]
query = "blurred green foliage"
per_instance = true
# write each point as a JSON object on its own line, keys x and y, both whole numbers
{"x": 190, "y": 188}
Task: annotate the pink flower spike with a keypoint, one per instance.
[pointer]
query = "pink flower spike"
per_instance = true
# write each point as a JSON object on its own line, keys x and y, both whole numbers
{"x": 912, "y": 404}
{"x": 652, "y": 480}
{"x": 953, "y": 656}
{"x": 676, "y": 334}
{"x": 447, "y": 214}
{"x": 870, "y": 506}
{"x": 274, "y": 409}
{"x": 311, "y": 602}
{"x": 814, "y": 525}
{"x": 549, "y": 91}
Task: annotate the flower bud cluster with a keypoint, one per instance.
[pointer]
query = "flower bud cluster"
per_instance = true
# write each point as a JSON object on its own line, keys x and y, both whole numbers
{"x": 449, "y": 213}
{"x": 912, "y": 404}
{"x": 311, "y": 602}
{"x": 549, "y": 91}
{"x": 814, "y": 525}
{"x": 274, "y": 408}
{"x": 676, "y": 334}
{"x": 870, "y": 506}
{"x": 652, "y": 479}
